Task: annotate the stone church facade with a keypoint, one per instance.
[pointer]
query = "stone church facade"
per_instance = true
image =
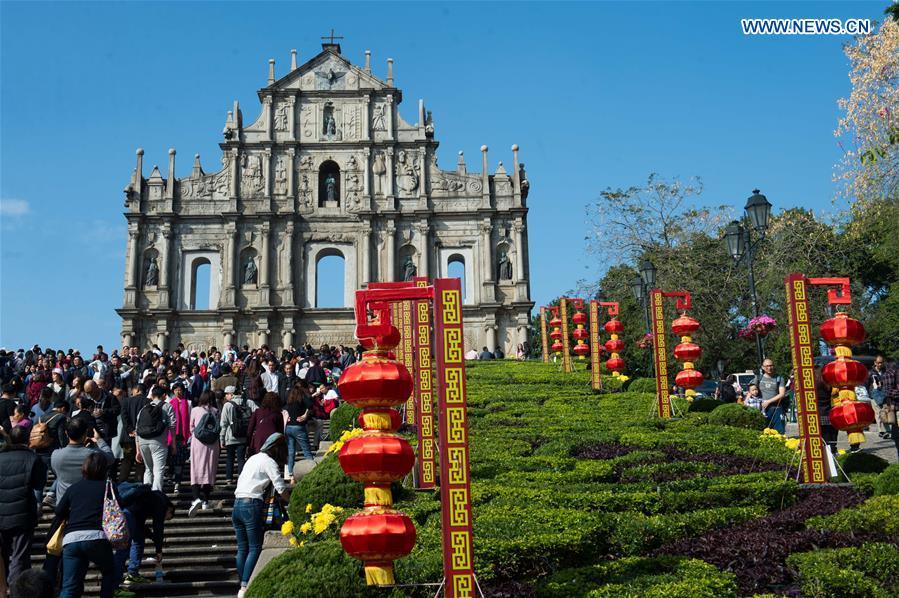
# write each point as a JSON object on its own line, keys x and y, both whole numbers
{"x": 328, "y": 168}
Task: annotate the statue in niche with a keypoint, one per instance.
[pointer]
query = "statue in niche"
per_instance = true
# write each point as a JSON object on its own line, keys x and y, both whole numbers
{"x": 305, "y": 190}
{"x": 250, "y": 272}
{"x": 378, "y": 122}
{"x": 281, "y": 177}
{"x": 328, "y": 79}
{"x": 151, "y": 275}
{"x": 379, "y": 169}
{"x": 504, "y": 267}
{"x": 409, "y": 269}
{"x": 330, "y": 187}
{"x": 281, "y": 118}
{"x": 329, "y": 124}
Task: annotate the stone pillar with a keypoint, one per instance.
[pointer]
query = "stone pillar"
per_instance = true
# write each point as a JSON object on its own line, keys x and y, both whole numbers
{"x": 519, "y": 251}
{"x": 391, "y": 123}
{"x": 516, "y": 178}
{"x": 287, "y": 336}
{"x": 263, "y": 331}
{"x": 229, "y": 337}
{"x": 160, "y": 338}
{"x": 267, "y": 174}
{"x": 391, "y": 252}
{"x": 132, "y": 278}
{"x": 264, "y": 261}
{"x": 391, "y": 179}
{"x": 488, "y": 294}
{"x": 485, "y": 179}
{"x": 170, "y": 183}
{"x": 424, "y": 248}
{"x": 234, "y": 166}
{"x": 366, "y": 115}
{"x": 229, "y": 261}
{"x": 285, "y": 268}
{"x": 164, "y": 269}
{"x": 365, "y": 254}
{"x": 128, "y": 339}
{"x": 491, "y": 336}
{"x": 291, "y": 167}
{"x": 291, "y": 116}
{"x": 267, "y": 115}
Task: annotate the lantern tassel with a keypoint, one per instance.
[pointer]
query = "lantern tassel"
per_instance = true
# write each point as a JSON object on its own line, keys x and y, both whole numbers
{"x": 856, "y": 437}
{"x": 379, "y": 574}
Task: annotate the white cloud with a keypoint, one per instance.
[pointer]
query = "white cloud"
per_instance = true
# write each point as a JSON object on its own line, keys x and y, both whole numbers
{"x": 14, "y": 207}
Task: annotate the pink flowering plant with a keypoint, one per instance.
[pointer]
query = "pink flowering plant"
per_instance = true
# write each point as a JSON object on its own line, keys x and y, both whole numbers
{"x": 762, "y": 325}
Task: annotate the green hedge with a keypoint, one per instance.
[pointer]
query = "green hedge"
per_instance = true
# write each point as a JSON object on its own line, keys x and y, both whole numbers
{"x": 869, "y": 571}
{"x": 325, "y": 484}
{"x": 862, "y": 463}
{"x": 342, "y": 419}
{"x": 876, "y": 515}
{"x": 704, "y": 405}
{"x": 738, "y": 416}
{"x": 888, "y": 481}
{"x": 642, "y": 385}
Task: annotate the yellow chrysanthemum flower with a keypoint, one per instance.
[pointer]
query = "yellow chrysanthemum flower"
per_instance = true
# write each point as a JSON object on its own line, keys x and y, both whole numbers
{"x": 305, "y": 528}
{"x": 287, "y": 528}
{"x": 792, "y": 443}
{"x": 841, "y": 451}
{"x": 309, "y": 508}
{"x": 293, "y": 542}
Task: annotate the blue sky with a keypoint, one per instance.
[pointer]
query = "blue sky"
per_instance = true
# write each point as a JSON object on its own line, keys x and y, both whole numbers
{"x": 596, "y": 95}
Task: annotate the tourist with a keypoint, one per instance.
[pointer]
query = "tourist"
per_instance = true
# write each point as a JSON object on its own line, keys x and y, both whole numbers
{"x": 753, "y": 398}
{"x": 204, "y": 451}
{"x": 141, "y": 504}
{"x": 773, "y": 390}
{"x": 823, "y": 397}
{"x": 286, "y": 380}
{"x": 235, "y": 421}
{"x": 891, "y": 398}
{"x": 131, "y": 407}
{"x": 58, "y": 385}
{"x": 8, "y": 404}
{"x": 84, "y": 540}
{"x": 21, "y": 417}
{"x": 66, "y": 462}
{"x": 498, "y": 353}
{"x": 43, "y": 405}
{"x": 226, "y": 378}
{"x": 298, "y": 414}
{"x": 264, "y": 422}
{"x": 22, "y": 479}
{"x": 154, "y": 422}
{"x": 520, "y": 354}
{"x": 55, "y": 422}
{"x": 261, "y": 471}
{"x": 725, "y": 391}
{"x": 317, "y": 408}
{"x": 33, "y": 583}
{"x": 485, "y": 355}
{"x": 874, "y": 386}
{"x": 178, "y": 436}
{"x": 106, "y": 407}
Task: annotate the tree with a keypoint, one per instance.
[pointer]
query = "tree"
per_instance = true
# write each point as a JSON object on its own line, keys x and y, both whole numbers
{"x": 869, "y": 169}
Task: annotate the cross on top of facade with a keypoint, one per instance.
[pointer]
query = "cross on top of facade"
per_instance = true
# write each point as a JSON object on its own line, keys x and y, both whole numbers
{"x": 330, "y": 38}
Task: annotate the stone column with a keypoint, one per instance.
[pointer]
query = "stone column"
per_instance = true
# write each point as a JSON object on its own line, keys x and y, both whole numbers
{"x": 267, "y": 174}
{"x": 164, "y": 269}
{"x": 263, "y": 335}
{"x": 170, "y": 183}
{"x": 286, "y": 278}
{"x": 485, "y": 179}
{"x": 391, "y": 123}
{"x": 132, "y": 278}
{"x": 229, "y": 337}
{"x": 391, "y": 252}
{"x": 519, "y": 251}
{"x": 291, "y": 117}
{"x": 128, "y": 339}
{"x": 391, "y": 179}
{"x": 366, "y": 114}
{"x": 516, "y": 178}
{"x": 264, "y": 261}
{"x": 287, "y": 337}
{"x": 229, "y": 261}
{"x": 234, "y": 166}
{"x": 365, "y": 253}
{"x": 491, "y": 336}
{"x": 291, "y": 166}
{"x": 267, "y": 116}
{"x": 160, "y": 338}
{"x": 423, "y": 248}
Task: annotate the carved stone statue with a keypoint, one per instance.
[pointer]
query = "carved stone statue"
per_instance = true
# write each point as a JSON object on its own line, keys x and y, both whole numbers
{"x": 409, "y": 269}
{"x": 379, "y": 168}
{"x": 504, "y": 267}
{"x": 330, "y": 125}
{"x": 281, "y": 177}
{"x": 406, "y": 175}
{"x": 250, "y": 272}
{"x": 378, "y": 122}
{"x": 330, "y": 188}
{"x": 151, "y": 275}
{"x": 281, "y": 118}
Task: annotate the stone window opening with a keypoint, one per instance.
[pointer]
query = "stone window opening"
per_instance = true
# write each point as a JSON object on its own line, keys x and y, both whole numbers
{"x": 329, "y": 185}
{"x": 455, "y": 268}
{"x": 200, "y": 284}
{"x": 330, "y": 265}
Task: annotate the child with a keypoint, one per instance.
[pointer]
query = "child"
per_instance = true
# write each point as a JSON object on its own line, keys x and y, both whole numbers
{"x": 753, "y": 397}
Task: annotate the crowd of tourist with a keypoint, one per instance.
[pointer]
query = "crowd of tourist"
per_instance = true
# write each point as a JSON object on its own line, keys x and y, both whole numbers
{"x": 119, "y": 430}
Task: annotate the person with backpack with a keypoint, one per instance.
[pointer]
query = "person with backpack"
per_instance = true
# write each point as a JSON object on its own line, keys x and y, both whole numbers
{"x": 131, "y": 406}
{"x": 49, "y": 433}
{"x": 178, "y": 438}
{"x": 22, "y": 479}
{"x": 154, "y": 422}
{"x": 264, "y": 422}
{"x": 204, "y": 451}
{"x": 234, "y": 426}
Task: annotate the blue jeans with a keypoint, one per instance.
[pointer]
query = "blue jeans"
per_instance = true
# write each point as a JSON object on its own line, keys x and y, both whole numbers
{"x": 75, "y": 559}
{"x": 297, "y": 433}
{"x": 775, "y": 417}
{"x": 247, "y": 520}
{"x": 135, "y": 553}
{"x": 231, "y": 451}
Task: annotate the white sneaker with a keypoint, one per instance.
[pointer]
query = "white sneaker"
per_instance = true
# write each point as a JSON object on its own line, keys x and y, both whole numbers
{"x": 286, "y": 472}
{"x": 205, "y": 506}
{"x": 194, "y": 507}
{"x": 241, "y": 592}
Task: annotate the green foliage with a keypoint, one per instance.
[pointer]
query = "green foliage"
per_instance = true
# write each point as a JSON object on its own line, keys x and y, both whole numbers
{"x": 862, "y": 463}
{"x": 704, "y": 405}
{"x": 869, "y": 571}
{"x": 342, "y": 419}
{"x": 642, "y": 385}
{"x": 876, "y": 515}
{"x": 738, "y": 416}
{"x": 325, "y": 484}
{"x": 659, "y": 577}
{"x": 888, "y": 481}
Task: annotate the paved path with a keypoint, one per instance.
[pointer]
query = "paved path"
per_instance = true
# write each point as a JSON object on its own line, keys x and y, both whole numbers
{"x": 882, "y": 447}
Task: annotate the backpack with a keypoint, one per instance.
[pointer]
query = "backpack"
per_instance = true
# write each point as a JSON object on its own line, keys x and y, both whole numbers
{"x": 207, "y": 429}
{"x": 240, "y": 419}
{"x": 150, "y": 422}
{"x": 40, "y": 437}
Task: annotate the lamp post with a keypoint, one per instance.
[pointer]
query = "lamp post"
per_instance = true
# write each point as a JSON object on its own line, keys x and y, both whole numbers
{"x": 738, "y": 237}
{"x": 639, "y": 291}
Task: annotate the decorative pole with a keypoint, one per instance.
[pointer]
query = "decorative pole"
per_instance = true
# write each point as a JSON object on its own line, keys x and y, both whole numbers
{"x": 543, "y": 338}
{"x": 566, "y": 347}
{"x": 595, "y": 346}
{"x": 660, "y": 344}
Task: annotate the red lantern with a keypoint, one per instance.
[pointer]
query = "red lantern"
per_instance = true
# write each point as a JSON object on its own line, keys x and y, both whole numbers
{"x": 556, "y": 335}
{"x": 614, "y": 326}
{"x": 685, "y": 325}
{"x": 615, "y": 364}
{"x": 688, "y": 379}
{"x": 845, "y": 373}
{"x": 379, "y": 534}
{"x": 614, "y": 346}
{"x": 579, "y": 318}
{"x": 687, "y": 352}
{"x": 580, "y": 334}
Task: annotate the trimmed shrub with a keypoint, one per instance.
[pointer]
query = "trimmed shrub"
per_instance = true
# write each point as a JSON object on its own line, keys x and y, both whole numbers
{"x": 342, "y": 419}
{"x": 869, "y": 571}
{"x": 668, "y": 577}
{"x": 704, "y": 405}
{"x": 642, "y": 385}
{"x": 875, "y": 516}
{"x": 888, "y": 481}
{"x": 325, "y": 484}
{"x": 862, "y": 463}
{"x": 737, "y": 416}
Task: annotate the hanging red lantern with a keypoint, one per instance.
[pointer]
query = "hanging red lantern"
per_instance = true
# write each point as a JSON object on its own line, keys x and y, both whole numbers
{"x": 580, "y": 334}
{"x": 687, "y": 352}
{"x": 379, "y": 534}
{"x": 556, "y": 335}
{"x": 848, "y": 414}
{"x": 614, "y": 346}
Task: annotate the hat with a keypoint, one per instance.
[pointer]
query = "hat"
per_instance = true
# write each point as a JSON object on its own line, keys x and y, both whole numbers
{"x": 57, "y": 371}
{"x": 270, "y": 441}
{"x": 230, "y": 390}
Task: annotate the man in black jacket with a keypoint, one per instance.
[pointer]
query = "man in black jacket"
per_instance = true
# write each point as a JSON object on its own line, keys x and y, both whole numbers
{"x": 8, "y": 404}
{"x": 131, "y": 406}
{"x": 22, "y": 478}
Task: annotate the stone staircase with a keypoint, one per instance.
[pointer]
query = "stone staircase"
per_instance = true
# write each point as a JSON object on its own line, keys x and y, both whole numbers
{"x": 198, "y": 553}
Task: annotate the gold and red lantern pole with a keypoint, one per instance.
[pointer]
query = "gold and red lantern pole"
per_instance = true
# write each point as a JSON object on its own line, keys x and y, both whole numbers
{"x": 615, "y": 346}
{"x": 580, "y": 334}
{"x": 566, "y": 347}
{"x": 379, "y": 534}
{"x": 556, "y": 334}
{"x": 595, "y": 367}
{"x": 660, "y": 345}
{"x": 840, "y": 332}
{"x": 687, "y": 352}
{"x": 543, "y": 337}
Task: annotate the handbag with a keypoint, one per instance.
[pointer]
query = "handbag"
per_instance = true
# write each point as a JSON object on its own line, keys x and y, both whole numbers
{"x": 115, "y": 526}
{"x": 54, "y": 546}
{"x": 275, "y": 513}
{"x": 888, "y": 415}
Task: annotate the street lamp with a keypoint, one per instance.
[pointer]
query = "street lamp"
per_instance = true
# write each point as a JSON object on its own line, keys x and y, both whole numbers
{"x": 648, "y": 274}
{"x": 638, "y": 288}
{"x": 740, "y": 245}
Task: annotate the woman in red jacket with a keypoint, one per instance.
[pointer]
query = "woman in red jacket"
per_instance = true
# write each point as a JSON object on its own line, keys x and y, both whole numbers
{"x": 265, "y": 421}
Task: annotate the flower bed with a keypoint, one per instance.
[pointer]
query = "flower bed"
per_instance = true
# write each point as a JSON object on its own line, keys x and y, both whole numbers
{"x": 587, "y": 491}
